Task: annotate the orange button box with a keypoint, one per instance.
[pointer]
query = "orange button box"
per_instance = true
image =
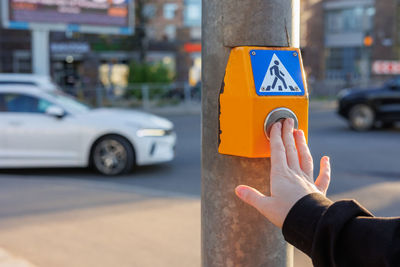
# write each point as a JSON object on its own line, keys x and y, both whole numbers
{"x": 259, "y": 80}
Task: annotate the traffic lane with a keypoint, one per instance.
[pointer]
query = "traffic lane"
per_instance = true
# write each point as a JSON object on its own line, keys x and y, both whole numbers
{"x": 379, "y": 148}
{"x": 30, "y": 191}
{"x": 329, "y": 135}
{"x": 183, "y": 174}
{"x": 358, "y": 158}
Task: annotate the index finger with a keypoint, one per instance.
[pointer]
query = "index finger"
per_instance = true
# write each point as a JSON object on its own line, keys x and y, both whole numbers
{"x": 278, "y": 152}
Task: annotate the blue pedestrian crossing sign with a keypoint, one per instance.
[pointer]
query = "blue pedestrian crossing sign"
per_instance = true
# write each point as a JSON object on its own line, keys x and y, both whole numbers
{"x": 277, "y": 72}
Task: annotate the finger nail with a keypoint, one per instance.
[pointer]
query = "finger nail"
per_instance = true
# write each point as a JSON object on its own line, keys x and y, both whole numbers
{"x": 239, "y": 191}
{"x": 326, "y": 159}
{"x": 278, "y": 125}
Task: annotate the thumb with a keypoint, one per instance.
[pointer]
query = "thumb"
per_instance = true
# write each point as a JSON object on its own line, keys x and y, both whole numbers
{"x": 253, "y": 197}
{"x": 324, "y": 176}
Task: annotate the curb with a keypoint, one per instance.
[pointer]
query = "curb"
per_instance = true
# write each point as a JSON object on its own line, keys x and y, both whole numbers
{"x": 322, "y": 105}
{"x": 195, "y": 109}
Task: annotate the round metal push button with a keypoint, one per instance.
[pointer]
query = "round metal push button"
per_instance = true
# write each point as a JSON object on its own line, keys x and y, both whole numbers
{"x": 278, "y": 115}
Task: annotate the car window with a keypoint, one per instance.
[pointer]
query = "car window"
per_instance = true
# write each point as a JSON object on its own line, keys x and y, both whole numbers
{"x": 397, "y": 82}
{"x": 69, "y": 102}
{"x": 25, "y": 103}
{"x": 2, "y": 106}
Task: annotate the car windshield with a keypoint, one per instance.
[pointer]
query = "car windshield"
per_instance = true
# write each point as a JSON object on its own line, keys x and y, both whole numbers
{"x": 70, "y": 102}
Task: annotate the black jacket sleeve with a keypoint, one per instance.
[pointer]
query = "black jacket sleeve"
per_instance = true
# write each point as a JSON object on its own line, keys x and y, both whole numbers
{"x": 342, "y": 233}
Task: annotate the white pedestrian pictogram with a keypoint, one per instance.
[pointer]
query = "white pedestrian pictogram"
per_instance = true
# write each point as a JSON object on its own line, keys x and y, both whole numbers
{"x": 278, "y": 79}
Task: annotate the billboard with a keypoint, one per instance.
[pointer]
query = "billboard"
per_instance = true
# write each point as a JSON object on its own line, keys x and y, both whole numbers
{"x": 93, "y": 16}
{"x": 386, "y": 67}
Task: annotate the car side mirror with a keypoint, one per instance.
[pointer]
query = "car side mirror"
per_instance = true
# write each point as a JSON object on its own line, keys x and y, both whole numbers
{"x": 55, "y": 111}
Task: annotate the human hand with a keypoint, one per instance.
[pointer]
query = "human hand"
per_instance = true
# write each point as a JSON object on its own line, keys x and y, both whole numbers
{"x": 291, "y": 174}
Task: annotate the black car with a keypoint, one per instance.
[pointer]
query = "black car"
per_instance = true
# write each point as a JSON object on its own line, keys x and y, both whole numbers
{"x": 366, "y": 108}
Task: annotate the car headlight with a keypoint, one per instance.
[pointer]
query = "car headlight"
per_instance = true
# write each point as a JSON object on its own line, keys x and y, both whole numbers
{"x": 152, "y": 132}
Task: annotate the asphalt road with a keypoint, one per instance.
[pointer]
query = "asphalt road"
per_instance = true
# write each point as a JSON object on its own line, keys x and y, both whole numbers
{"x": 365, "y": 166}
{"x": 358, "y": 159}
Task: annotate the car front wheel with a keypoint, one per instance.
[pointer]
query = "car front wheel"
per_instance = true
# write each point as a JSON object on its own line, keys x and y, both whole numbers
{"x": 112, "y": 155}
{"x": 361, "y": 117}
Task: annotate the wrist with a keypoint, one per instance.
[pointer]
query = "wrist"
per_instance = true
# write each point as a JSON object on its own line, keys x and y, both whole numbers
{"x": 301, "y": 221}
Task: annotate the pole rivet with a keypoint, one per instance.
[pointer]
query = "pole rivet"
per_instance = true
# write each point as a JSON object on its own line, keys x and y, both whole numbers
{"x": 295, "y": 54}
{"x": 253, "y": 53}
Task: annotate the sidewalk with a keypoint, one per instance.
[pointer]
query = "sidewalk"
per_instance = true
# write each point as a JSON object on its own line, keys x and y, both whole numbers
{"x": 125, "y": 227}
{"x": 139, "y": 227}
{"x": 322, "y": 105}
{"x": 182, "y": 109}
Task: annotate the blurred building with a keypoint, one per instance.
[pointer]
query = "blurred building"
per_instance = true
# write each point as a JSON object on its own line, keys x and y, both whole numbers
{"x": 172, "y": 37}
{"x": 342, "y": 38}
{"x": 173, "y": 30}
{"x": 164, "y": 18}
{"x": 74, "y": 57}
{"x": 191, "y": 49}
{"x": 15, "y": 46}
{"x": 312, "y": 37}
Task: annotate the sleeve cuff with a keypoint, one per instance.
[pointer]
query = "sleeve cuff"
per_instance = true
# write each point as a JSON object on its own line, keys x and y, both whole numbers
{"x": 301, "y": 222}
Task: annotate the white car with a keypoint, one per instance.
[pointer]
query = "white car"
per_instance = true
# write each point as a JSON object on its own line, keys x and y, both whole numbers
{"x": 42, "y": 81}
{"x": 47, "y": 128}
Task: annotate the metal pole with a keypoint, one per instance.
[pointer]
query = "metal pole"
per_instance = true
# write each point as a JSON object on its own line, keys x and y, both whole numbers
{"x": 145, "y": 96}
{"x": 234, "y": 234}
{"x": 186, "y": 91}
{"x": 99, "y": 95}
{"x": 40, "y": 52}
